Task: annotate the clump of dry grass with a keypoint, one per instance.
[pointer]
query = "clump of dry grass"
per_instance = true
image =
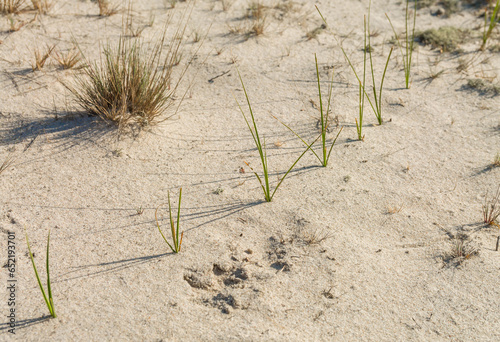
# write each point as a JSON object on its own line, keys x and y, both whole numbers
{"x": 451, "y": 7}
{"x": 15, "y": 25}
{"x": 446, "y": 38}
{"x": 491, "y": 208}
{"x": 11, "y": 6}
{"x": 313, "y": 34}
{"x": 226, "y": 4}
{"x": 462, "y": 249}
{"x": 394, "y": 209}
{"x": 41, "y": 57}
{"x": 131, "y": 86}
{"x": 106, "y": 9}
{"x": 42, "y": 6}
{"x": 256, "y": 12}
{"x": 69, "y": 59}
{"x": 257, "y": 27}
{"x": 496, "y": 160}
{"x": 483, "y": 86}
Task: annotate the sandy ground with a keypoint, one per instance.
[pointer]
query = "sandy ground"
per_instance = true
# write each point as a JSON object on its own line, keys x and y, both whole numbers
{"x": 390, "y": 207}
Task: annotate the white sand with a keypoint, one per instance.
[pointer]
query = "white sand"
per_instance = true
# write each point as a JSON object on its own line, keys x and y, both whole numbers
{"x": 246, "y": 271}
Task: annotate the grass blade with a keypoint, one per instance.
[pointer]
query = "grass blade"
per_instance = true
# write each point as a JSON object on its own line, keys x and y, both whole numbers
{"x": 298, "y": 136}
{"x": 178, "y": 220}
{"x": 290, "y": 169}
{"x": 49, "y": 301}
{"x": 48, "y": 280}
{"x": 333, "y": 143}
{"x": 159, "y": 229}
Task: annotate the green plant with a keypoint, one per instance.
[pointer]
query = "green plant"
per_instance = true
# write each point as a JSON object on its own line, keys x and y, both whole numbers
{"x": 377, "y": 108}
{"x": 494, "y": 17}
{"x": 409, "y": 40}
{"x": 176, "y": 244}
{"x": 261, "y": 147}
{"x": 131, "y": 86}
{"x": 491, "y": 208}
{"x": 361, "y": 104}
{"x": 48, "y": 300}
{"x": 377, "y": 98}
{"x": 323, "y": 120}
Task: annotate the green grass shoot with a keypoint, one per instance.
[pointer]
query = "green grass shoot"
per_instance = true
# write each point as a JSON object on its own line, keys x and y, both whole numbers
{"x": 494, "y": 18}
{"x": 48, "y": 300}
{"x": 377, "y": 108}
{"x": 377, "y": 98}
{"x": 359, "y": 124}
{"x": 176, "y": 242}
{"x": 324, "y": 116}
{"x": 261, "y": 147}
{"x": 409, "y": 40}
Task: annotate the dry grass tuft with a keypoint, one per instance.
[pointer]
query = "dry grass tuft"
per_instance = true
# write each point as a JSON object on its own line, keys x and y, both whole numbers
{"x": 491, "y": 208}
{"x": 313, "y": 34}
{"x": 106, "y": 9}
{"x": 256, "y": 10}
{"x": 496, "y": 160}
{"x": 483, "y": 87}
{"x": 130, "y": 86}
{"x": 257, "y": 28}
{"x": 69, "y": 59}
{"x": 42, "y": 6}
{"x": 394, "y": 209}
{"x": 41, "y": 57}
{"x": 15, "y": 25}
{"x": 315, "y": 237}
{"x": 11, "y": 6}
{"x": 462, "y": 249}
{"x": 446, "y": 38}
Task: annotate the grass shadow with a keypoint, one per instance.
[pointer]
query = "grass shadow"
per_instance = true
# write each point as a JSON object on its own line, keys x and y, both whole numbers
{"x": 25, "y": 323}
{"x": 109, "y": 267}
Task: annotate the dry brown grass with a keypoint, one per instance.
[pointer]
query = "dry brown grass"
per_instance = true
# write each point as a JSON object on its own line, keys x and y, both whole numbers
{"x": 11, "y": 6}
{"x": 41, "y": 57}
{"x": 42, "y": 6}
{"x": 491, "y": 208}
{"x": 106, "y": 8}
{"x": 132, "y": 86}
{"x": 462, "y": 249}
{"x": 496, "y": 160}
{"x": 69, "y": 59}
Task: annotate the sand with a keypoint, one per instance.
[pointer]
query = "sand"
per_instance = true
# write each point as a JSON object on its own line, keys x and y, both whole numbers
{"x": 356, "y": 251}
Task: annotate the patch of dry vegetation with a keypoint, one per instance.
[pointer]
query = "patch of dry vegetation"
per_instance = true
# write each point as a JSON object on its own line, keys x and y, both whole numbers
{"x": 483, "y": 86}
{"x": 41, "y": 57}
{"x": 446, "y": 38}
{"x": 461, "y": 250}
{"x": 131, "y": 86}
{"x": 11, "y": 6}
